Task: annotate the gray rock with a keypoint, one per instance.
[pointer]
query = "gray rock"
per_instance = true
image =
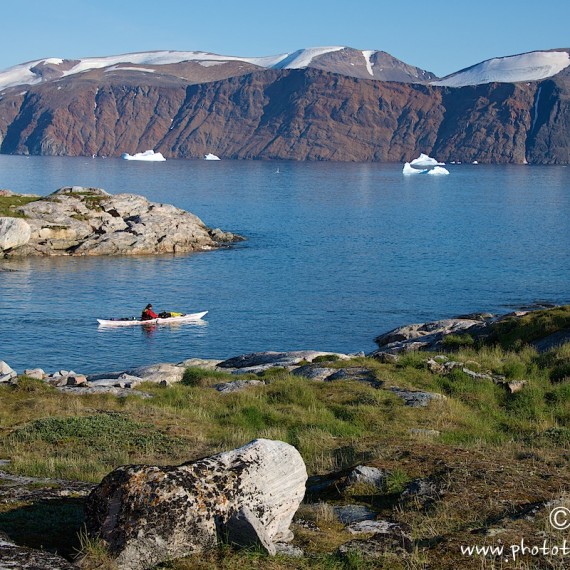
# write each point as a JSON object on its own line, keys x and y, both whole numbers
{"x": 121, "y": 381}
{"x": 416, "y": 399}
{"x": 237, "y": 385}
{"x": 285, "y": 549}
{"x": 426, "y": 489}
{"x": 150, "y": 514}
{"x": 314, "y": 372}
{"x": 284, "y": 359}
{"x": 348, "y": 514}
{"x": 14, "y": 557}
{"x": 386, "y": 357}
{"x": 357, "y": 373}
{"x": 476, "y": 375}
{"x": 368, "y": 476}
{"x": 172, "y": 373}
{"x": 14, "y": 232}
{"x": 424, "y": 336}
{"x": 119, "y": 392}
{"x": 394, "y": 539}
{"x": 208, "y": 364}
{"x": 425, "y": 432}
{"x": 369, "y": 526}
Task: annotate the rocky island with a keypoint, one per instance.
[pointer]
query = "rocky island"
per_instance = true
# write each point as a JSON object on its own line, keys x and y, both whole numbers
{"x": 90, "y": 221}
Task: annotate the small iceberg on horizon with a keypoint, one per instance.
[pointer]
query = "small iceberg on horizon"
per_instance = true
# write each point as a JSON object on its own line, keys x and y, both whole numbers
{"x": 211, "y": 156}
{"x": 424, "y": 164}
{"x": 147, "y": 155}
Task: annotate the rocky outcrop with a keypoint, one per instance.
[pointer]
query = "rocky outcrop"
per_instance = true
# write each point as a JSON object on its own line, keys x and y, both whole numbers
{"x": 148, "y": 514}
{"x": 426, "y": 336}
{"x": 260, "y": 361}
{"x": 300, "y": 114}
{"x": 89, "y": 221}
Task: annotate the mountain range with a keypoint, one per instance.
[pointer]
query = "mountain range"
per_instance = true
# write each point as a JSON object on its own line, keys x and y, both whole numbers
{"x": 328, "y": 103}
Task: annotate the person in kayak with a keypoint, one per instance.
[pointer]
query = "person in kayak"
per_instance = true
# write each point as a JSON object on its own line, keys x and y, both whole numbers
{"x": 148, "y": 313}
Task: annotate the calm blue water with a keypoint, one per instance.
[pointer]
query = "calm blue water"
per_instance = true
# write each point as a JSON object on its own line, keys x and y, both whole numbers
{"x": 336, "y": 254}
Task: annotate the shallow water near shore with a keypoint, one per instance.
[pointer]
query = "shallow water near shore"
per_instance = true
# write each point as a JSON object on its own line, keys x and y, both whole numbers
{"x": 336, "y": 254}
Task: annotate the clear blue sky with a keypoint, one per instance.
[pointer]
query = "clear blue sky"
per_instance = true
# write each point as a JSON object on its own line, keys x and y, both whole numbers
{"x": 439, "y": 36}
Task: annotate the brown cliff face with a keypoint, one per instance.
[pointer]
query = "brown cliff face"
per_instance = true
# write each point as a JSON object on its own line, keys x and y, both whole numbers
{"x": 304, "y": 114}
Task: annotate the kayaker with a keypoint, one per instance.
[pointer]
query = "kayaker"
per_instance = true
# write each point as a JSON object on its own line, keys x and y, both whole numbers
{"x": 148, "y": 313}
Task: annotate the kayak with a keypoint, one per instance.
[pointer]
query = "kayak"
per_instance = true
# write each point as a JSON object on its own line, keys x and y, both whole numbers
{"x": 160, "y": 321}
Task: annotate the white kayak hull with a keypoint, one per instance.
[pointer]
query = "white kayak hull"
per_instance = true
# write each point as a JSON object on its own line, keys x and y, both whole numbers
{"x": 160, "y": 321}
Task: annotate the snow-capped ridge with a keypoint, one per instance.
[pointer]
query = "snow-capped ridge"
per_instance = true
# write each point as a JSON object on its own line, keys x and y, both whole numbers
{"x": 531, "y": 66}
{"x": 368, "y": 64}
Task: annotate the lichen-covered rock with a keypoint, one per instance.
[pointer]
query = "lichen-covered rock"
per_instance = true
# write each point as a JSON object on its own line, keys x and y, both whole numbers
{"x": 149, "y": 514}
{"x": 14, "y": 232}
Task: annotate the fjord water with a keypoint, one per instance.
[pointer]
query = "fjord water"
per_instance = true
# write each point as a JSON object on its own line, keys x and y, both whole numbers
{"x": 336, "y": 253}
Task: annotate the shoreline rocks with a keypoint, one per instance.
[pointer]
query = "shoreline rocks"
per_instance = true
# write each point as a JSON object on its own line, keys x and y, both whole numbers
{"x": 90, "y": 221}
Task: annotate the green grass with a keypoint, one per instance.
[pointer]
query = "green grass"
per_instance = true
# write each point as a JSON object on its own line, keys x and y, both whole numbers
{"x": 486, "y": 434}
{"x": 8, "y": 205}
{"x": 515, "y": 332}
{"x": 84, "y": 447}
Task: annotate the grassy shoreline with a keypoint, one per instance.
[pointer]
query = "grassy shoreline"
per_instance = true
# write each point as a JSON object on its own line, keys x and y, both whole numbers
{"x": 496, "y": 458}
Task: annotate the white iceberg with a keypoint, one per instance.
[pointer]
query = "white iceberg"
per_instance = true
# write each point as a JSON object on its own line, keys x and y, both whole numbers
{"x": 148, "y": 155}
{"x": 424, "y": 164}
{"x": 408, "y": 169}
{"x": 211, "y": 156}
{"x": 438, "y": 170}
{"x": 425, "y": 161}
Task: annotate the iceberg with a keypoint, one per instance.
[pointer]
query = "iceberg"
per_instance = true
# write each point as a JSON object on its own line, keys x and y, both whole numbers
{"x": 211, "y": 156}
{"x": 424, "y": 160}
{"x": 148, "y": 155}
{"x": 438, "y": 171}
{"x": 408, "y": 169}
{"x": 424, "y": 164}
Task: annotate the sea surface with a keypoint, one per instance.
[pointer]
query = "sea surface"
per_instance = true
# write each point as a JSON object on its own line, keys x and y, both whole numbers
{"x": 336, "y": 254}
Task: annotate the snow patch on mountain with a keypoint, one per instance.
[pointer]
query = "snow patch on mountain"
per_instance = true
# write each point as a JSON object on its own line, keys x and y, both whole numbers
{"x": 303, "y": 57}
{"x": 532, "y": 66}
{"x": 367, "y": 53}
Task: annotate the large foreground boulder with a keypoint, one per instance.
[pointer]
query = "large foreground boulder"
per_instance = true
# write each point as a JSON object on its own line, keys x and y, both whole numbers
{"x": 149, "y": 514}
